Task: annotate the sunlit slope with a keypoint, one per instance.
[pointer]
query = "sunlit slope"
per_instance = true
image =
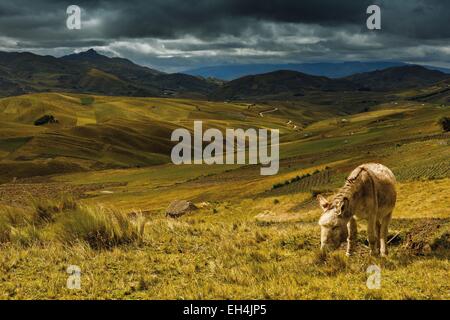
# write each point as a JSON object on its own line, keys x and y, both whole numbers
{"x": 404, "y": 136}
{"x": 96, "y": 132}
{"x": 397, "y": 121}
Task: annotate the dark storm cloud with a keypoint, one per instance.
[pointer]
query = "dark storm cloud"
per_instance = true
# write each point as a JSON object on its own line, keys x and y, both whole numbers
{"x": 175, "y": 34}
{"x": 170, "y": 18}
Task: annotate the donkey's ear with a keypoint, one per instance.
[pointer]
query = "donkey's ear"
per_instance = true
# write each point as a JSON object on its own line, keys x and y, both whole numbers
{"x": 343, "y": 208}
{"x": 324, "y": 204}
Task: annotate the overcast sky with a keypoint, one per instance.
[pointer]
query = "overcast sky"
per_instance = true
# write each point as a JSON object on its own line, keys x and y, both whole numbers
{"x": 174, "y": 35}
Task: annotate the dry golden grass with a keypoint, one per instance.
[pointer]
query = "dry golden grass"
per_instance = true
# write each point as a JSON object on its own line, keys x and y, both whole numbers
{"x": 67, "y": 222}
{"x": 222, "y": 251}
{"x": 423, "y": 199}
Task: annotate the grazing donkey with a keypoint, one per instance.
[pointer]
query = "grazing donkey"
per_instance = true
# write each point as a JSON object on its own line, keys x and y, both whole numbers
{"x": 369, "y": 193}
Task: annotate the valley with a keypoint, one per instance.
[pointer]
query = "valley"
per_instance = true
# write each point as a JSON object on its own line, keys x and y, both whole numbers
{"x": 252, "y": 236}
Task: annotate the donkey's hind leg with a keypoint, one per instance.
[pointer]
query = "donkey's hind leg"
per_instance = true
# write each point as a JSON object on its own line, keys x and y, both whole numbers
{"x": 378, "y": 232}
{"x": 383, "y": 234}
{"x": 373, "y": 236}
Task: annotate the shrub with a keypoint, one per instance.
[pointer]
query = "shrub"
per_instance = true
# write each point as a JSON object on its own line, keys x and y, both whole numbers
{"x": 87, "y": 101}
{"x": 444, "y": 122}
{"x": 101, "y": 228}
{"x": 45, "y": 119}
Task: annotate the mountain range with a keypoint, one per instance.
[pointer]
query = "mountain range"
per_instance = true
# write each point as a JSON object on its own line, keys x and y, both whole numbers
{"x": 91, "y": 72}
{"x": 326, "y": 69}
{"x": 290, "y": 84}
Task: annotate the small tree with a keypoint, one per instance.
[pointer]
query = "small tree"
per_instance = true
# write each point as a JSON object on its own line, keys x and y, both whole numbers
{"x": 445, "y": 123}
{"x": 87, "y": 101}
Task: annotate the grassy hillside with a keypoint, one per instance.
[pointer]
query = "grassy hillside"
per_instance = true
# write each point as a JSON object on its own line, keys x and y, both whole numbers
{"x": 96, "y": 132}
{"x": 253, "y": 236}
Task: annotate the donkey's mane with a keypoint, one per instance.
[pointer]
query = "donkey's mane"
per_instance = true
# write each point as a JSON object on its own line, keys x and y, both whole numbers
{"x": 351, "y": 185}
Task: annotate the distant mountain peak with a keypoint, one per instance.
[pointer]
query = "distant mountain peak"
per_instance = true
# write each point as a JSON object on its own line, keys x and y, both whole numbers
{"x": 91, "y": 52}
{"x": 88, "y": 54}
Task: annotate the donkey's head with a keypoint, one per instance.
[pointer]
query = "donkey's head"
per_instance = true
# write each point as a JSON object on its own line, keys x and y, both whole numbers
{"x": 333, "y": 222}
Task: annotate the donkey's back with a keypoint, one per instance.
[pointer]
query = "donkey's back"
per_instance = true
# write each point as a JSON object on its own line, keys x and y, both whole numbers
{"x": 383, "y": 187}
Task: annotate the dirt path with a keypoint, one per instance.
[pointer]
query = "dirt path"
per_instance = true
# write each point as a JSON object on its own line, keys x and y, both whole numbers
{"x": 261, "y": 114}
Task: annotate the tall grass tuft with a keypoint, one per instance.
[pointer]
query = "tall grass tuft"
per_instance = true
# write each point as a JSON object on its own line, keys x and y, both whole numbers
{"x": 46, "y": 211}
{"x": 26, "y": 236}
{"x": 68, "y": 222}
{"x": 10, "y": 219}
{"x": 100, "y": 227}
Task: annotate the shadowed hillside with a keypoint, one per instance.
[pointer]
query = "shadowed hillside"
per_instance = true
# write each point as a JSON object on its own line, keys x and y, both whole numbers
{"x": 90, "y": 72}
{"x": 398, "y": 78}
{"x": 292, "y": 85}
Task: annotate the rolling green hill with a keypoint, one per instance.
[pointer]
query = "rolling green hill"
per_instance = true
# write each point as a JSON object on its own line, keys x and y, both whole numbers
{"x": 99, "y": 132}
{"x": 94, "y": 132}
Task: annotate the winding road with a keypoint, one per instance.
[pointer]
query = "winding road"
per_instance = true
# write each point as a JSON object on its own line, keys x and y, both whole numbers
{"x": 262, "y": 112}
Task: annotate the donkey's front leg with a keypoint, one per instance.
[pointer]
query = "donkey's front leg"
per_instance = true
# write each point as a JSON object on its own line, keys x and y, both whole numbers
{"x": 352, "y": 234}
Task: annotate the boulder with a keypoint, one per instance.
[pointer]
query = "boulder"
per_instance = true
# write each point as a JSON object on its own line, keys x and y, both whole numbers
{"x": 178, "y": 208}
{"x": 45, "y": 119}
